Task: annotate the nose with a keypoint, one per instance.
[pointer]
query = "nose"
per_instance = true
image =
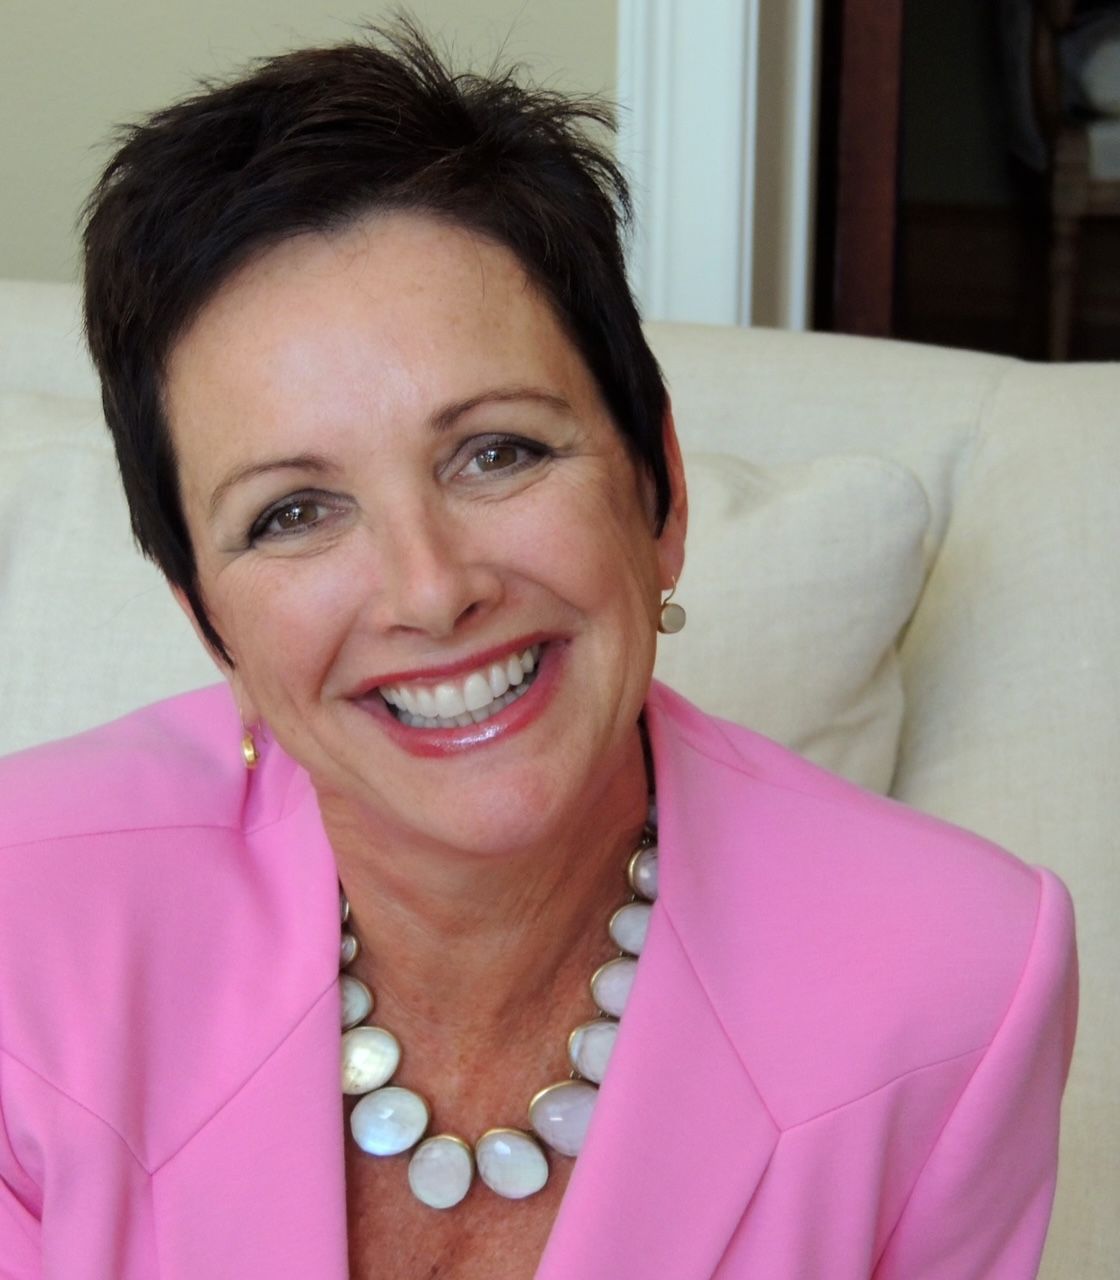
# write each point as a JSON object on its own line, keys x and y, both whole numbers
{"x": 432, "y": 577}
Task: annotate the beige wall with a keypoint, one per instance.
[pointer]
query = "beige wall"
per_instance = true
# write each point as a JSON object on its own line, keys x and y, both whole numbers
{"x": 71, "y": 71}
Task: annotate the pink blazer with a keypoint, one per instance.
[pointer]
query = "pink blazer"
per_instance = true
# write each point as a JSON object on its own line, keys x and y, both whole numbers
{"x": 843, "y": 1055}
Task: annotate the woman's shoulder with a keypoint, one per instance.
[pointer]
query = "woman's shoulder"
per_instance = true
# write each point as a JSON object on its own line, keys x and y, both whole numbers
{"x": 173, "y": 763}
{"x": 842, "y": 828}
{"x": 851, "y": 938}
{"x": 147, "y": 881}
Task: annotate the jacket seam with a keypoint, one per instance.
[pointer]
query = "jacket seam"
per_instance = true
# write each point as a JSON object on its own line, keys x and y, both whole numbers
{"x": 783, "y": 1129}
{"x": 230, "y": 1098}
{"x": 933, "y": 1065}
{"x": 151, "y": 829}
{"x": 75, "y": 1102}
{"x": 715, "y": 1014}
{"x": 981, "y": 1049}
{"x": 152, "y": 1170}
{"x": 145, "y": 829}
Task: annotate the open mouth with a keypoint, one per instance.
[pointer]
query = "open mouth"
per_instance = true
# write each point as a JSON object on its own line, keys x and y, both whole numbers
{"x": 464, "y": 700}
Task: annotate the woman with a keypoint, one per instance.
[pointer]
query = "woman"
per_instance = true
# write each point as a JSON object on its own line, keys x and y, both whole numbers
{"x": 387, "y": 421}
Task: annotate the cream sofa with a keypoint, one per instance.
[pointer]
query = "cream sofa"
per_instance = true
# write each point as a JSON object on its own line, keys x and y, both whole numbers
{"x": 902, "y": 560}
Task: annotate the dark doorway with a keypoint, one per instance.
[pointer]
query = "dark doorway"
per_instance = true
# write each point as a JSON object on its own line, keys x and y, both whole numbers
{"x": 936, "y": 218}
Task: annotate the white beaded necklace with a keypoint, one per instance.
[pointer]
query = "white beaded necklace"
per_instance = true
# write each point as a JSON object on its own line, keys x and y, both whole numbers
{"x": 388, "y": 1119}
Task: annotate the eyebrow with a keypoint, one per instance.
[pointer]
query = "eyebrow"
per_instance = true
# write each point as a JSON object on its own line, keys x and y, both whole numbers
{"x": 298, "y": 462}
{"x": 440, "y": 421}
{"x": 446, "y": 417}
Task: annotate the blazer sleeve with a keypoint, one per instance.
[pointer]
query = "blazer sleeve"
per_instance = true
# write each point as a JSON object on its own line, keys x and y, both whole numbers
{"x": 980, "y": 1207}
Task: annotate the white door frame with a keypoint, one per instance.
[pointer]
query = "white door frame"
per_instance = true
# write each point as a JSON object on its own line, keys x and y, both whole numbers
{"x": 693, "y": 96}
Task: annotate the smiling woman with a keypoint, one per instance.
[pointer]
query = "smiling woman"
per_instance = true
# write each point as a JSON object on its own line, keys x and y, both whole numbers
{"x": 413, "y": 485}
{"x": 387, "y": 422}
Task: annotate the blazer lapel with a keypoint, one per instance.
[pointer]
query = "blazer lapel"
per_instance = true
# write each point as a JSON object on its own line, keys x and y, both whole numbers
{"x": 678, "y": 1142}
{"x": 680, "y": 1137}
{"x": 260, "y": 1189}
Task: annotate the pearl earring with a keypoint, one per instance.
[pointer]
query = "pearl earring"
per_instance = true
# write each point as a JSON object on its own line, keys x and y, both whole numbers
{"x": 671, "y": 617}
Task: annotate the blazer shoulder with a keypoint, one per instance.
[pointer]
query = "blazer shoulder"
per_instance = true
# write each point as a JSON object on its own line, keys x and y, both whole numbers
{"x": 845, "y": 939}
{"x": 173, "y": 763}
{"x": 868, "y": 833}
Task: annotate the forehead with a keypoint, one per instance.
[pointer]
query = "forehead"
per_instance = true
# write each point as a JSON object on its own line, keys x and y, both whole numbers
{"x": 401, "y": 308}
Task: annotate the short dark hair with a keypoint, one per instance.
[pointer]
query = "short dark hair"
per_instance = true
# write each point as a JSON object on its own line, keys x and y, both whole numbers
{"x": 313, "y": 141}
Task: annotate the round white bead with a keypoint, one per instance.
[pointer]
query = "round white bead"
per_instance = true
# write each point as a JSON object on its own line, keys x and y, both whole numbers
{"x": 348, "y": 950}
{"x": 628, "y": 926}
{"x": 672, "y": 618}
{"x": 370, "y": 1055}
{"x": 610, "y": 986}
{"x": 343, "y": 907}
{"x": 440, "y": 1171}
{"x": 590, "y": 1047}
{"x": 511, "y": 1163}
{"x": 561, "y": 1113}
{"x": 356, "y": 998}
{"x": 643, "y": 872}
{"x": 389, "y": 1121}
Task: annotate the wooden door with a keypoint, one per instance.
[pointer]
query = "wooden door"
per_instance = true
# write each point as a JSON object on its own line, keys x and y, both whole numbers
{"x": 861, "y": 71}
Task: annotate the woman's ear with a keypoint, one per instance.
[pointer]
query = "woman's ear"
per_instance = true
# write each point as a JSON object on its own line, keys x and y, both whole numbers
{"x": 226, "y": 670}
{"x": 670, "y": 542}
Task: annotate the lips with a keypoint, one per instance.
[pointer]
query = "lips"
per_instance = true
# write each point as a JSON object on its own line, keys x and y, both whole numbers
{"x": 462, "y": 700}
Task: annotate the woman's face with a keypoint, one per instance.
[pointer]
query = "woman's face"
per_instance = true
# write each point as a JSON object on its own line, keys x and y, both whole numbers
{"x": 399, "y": 476}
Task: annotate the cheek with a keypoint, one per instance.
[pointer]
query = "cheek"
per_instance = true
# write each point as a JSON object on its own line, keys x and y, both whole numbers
{"x": 282, "y": 620}
{"x": 601, "y": 554}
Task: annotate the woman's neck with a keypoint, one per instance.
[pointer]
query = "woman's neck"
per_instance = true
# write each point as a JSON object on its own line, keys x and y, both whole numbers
{"x": 460, "y": 947}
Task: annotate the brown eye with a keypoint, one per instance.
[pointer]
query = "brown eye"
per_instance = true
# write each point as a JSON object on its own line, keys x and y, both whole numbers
{"x": 500, "y": 456}
{"x": 298, "y": 515}
{"x": 497, "y": 457}
{"x": 293, "y": 516}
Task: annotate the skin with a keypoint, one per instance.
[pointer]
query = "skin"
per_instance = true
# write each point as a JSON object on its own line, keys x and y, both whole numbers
{"x": 411, "y": 547}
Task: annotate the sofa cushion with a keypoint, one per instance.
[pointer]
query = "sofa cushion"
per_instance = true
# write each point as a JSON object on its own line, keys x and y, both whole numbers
{"x": 797, "y": 583}
{"x": 90, "y": 630}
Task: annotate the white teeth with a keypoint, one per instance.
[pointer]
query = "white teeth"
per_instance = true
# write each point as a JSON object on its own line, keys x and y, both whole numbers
{"x": 476, "y": 692}
{"x": 449, "y": 701}
{"x": 475, "y": 698}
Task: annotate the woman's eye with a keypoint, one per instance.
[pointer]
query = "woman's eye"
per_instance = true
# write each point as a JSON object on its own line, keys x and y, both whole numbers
{"x": 293, "y": 515}
{"x": 496, "y": 457}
